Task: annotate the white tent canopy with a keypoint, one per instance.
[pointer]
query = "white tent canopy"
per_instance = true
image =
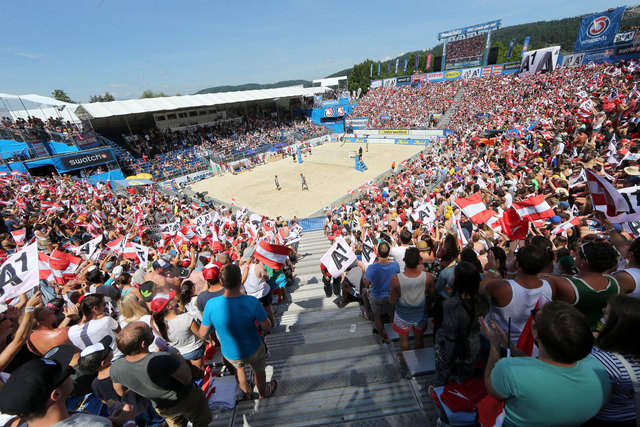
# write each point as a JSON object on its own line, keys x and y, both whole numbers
{"x": 97, "y": 110}
{"x": 38, "y": 99}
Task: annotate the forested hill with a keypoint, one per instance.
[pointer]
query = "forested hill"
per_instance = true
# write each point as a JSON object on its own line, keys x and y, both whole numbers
{"x": 255, "y": 86}
{"x": 561, "y": 32}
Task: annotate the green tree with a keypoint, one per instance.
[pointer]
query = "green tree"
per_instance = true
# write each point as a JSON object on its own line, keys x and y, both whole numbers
{"x": 151, "y": 94}
{"x": 107, "y": 97}
{"x": 61, "y": 95}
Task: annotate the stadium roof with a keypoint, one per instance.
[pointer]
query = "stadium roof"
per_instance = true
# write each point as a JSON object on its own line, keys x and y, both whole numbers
{"x": 169, "y": 103}
{"x": 38, "y": 99}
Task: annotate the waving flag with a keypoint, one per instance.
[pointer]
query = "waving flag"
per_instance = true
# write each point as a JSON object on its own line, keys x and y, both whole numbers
{"x": 562, "y": 228}
{"x": 607, "y": 199}
{"x": 534, "y": 208}
{"x": 272, "y": 255}
{"x": 474, "y": 209}
{"x": 513, "y": 225}
{"x": 18, "y": 236}
{"x": 63, "y": 266}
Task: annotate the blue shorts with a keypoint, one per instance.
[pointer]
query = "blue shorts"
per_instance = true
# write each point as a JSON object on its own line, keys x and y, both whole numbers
{"x": 196, "y": 354}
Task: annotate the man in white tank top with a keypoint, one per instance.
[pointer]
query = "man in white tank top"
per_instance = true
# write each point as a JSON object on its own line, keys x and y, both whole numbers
{"x": 513, "y": 300}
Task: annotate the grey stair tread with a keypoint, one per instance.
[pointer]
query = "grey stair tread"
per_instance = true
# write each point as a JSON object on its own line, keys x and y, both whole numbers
{"x": 333, "y": 406}
{"x": 347, "y": 331}
{"x": 285, "y": 351}
{"x": 420, "y": 361}
{"x": 334, "y": 316}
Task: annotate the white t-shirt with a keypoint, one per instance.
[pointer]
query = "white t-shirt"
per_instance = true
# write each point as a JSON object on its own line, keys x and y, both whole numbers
{"x": 180, "y": 335}
{"x": 93, "y": 331}
{"x": 397, "y": 253}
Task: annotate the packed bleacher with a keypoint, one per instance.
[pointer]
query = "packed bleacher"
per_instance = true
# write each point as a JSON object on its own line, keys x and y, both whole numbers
{"x": 405, "y": 106}
{"x": 520, "y": 254}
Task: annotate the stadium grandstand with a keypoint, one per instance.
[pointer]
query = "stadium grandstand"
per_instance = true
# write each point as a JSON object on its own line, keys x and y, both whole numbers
{"x": 467, "y": 251}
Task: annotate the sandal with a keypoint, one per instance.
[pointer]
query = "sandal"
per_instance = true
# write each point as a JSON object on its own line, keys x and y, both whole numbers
{"x": 272, "y": 387}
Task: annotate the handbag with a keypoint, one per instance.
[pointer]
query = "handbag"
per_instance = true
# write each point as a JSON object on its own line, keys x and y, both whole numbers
{"x": 634, "y": 383}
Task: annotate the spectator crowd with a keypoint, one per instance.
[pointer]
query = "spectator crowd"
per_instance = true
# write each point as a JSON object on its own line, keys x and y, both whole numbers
{"x": 520, "y": 252}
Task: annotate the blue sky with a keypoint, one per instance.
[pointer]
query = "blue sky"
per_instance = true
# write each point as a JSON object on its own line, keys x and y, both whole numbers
{"x": 92, "y": 46}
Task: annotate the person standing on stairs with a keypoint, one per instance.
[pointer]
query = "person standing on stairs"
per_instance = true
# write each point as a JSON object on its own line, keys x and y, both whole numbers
{"x": 408, "y": 293}
{"x": 236, "y": 318}
{"x": 377, "y": 281}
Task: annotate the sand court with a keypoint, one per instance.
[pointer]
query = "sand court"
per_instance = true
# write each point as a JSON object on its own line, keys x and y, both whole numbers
{"x": 330, "y": 174}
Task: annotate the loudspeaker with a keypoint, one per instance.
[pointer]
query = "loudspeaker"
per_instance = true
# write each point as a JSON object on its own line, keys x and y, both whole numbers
{"x": 493, "y": 56}
{"x": 437, "y": 63}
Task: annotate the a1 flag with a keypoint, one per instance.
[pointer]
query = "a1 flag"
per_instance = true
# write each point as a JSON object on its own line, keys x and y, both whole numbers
{"x": 338, "y": 258}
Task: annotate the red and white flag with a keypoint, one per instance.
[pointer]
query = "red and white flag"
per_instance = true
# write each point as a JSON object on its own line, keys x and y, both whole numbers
{"x": 63, "y": 266}
{"x": 607, "y": 199}
{"x": 474, "y": 208}
{"x": 18, "y": 236}
{"x": 534, "y": 208}
{"x": 272, "y": 255}
{"x": 562, "y": 228}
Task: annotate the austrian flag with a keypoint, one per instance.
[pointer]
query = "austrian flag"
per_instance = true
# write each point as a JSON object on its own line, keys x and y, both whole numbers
{"x": 474, "y": 209}
{"x": 272, "y": 255}
{"x": 534, "y": 208}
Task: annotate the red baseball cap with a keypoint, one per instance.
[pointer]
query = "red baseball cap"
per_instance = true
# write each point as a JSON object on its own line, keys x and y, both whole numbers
{"x": 211, "y": 271}
{"x": 160, "y": 301}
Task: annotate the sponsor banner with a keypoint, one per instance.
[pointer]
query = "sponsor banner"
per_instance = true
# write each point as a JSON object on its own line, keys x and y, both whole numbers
{"x": 598, "y": 30}
{"x": 130, "y": 138}
{"x": 452, "y": 75}
{"x": 627, "y": 50}
{"x": 401, "y": 81}
{"x": 389, "y": 82}
{"x": 412, "y": 141}
{"x": 39, "y": 148}
{"x": 573, "y": 60}
{"x": 85, "y": 160}
{"x": 512, "y": 45}
{"x": 624, "y": 38}
{"x": 433, "y": 77}
{"x": 418, "y": 78}
{"x": 509, "y": 66}
{"x": 376, "y": 83}
{"x": 540, "y": 60}
{"x": 329, "y": 104}
{"x": 355, "y": 140}
{"x": 497, "y": 69}
{"x": 486, "y": 71}
{"x": 463, "y": 64}
{"x": 487, "y": 26}
{"x": 472, "y": 73}
{"x": 525, "y": 46}
{"x": 385, "y": 117}
{"x": 333, "y": 112}
{"x": 357, "y": 122}
{"x": 599, "y": 55}
{"x": 428, "y": 63}
{"x": 394, "y": 132}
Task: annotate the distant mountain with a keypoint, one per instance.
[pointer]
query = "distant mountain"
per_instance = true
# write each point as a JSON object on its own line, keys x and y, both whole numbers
{"x": 254, "y": 86}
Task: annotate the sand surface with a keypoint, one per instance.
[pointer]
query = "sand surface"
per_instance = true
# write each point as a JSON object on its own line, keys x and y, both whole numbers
{"x": 329, "y": 171}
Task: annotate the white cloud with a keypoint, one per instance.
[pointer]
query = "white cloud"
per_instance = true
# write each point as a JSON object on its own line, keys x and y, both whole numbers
{"x": 117, "y": 85}
{"x": 141, "y": 76}
{"x": 386, "y": 58}
{"x": 163, "y": 72}
{"x": 32, "y": 55}
{"x": 121, "y": 94}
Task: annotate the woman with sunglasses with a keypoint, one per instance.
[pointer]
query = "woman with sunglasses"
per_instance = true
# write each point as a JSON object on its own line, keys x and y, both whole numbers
{"x": 591, "y": 289}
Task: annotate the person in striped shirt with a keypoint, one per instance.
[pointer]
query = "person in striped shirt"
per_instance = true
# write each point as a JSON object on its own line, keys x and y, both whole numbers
{"x": 618, "y": 342}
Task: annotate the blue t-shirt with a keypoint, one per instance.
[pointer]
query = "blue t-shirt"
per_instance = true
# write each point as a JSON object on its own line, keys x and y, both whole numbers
{"x": 540, "y": 394}
{"x": 380, "y": 277}
{"x": 235, "y": 322}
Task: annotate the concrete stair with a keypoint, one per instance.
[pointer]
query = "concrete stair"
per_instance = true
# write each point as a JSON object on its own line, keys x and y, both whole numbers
{"x": 330, "y": 368}
{"x": 446, "y": 117}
